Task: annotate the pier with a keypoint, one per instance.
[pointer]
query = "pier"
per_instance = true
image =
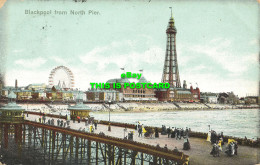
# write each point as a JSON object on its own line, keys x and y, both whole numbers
{"x": 38, "y": 143}
{"x": 198, "y": 154}
{"x": 26, "y": 140}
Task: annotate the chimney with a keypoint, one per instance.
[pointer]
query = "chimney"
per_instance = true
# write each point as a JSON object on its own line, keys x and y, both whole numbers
{"x": 16, "y": 84}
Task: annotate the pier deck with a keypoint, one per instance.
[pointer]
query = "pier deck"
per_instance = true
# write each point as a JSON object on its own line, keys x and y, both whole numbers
{"x": 199, "y": 152}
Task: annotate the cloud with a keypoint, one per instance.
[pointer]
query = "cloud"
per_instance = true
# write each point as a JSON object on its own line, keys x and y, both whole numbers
{"x": 253, "y": 42}
{"x": 104, "y": 62}
{"x": 130, "y": 58}
{"x": 26, "y": 77}
{"x": 59, "y": 60}
{"x": 18, "y": 51}
{"x": 31, "y": 63}
{"x": 214, "y": 83}
{"x": 221, "y": 51}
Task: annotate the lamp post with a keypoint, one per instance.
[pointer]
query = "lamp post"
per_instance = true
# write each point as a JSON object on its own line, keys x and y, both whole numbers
{"x": 109, "y": 103}
{"x": 109, "y": 127}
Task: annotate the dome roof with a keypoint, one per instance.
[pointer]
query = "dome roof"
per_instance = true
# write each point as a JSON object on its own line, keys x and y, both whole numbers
{"x": 123, "y": 80}
{"x": 79, "y": 96}
{"x": 118, "y": 80}
{"x": 79, "y": 106}
{"x": 12, "y": 95}
{"x": 143, "y": 80}
{"x": 111, "y": 81}
{"x": 11, "y": 106}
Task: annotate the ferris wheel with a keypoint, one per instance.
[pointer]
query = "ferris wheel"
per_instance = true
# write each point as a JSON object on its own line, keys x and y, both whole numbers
{"x": 68, "y": 75}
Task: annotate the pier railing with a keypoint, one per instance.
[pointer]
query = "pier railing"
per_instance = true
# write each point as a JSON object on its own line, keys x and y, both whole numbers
{"x": 241, "y": 141}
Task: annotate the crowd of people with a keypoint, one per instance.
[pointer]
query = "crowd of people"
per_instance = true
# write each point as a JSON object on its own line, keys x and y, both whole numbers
{"x": 231, "y": 148}
{"x": 90, "y": 125}
{"x": 174, "y": 132}
{"x": 216, "y": 139}
{"x": 217, "y": 143}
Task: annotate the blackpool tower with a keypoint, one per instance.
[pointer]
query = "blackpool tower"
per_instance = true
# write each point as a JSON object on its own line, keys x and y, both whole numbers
{"x": 170, "y": 71}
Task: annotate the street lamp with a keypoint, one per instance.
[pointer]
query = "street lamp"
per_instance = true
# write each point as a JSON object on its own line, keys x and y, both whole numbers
{"x": 109, "y": 103}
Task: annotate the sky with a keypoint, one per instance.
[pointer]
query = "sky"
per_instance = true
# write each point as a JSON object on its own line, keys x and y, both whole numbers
{"x": 217, "y": 42}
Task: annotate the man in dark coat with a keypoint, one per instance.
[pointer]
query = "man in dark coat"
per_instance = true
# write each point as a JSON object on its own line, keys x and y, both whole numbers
{"x": 95, "y": 124}
{"x": 156, "y": 133}
{"x": 177, "y": 134}
{"x": 235, "y": 147}
{"x": 173, "y": 132}
{"x": 140, "y": 131}
{"x": 168, "y": 132}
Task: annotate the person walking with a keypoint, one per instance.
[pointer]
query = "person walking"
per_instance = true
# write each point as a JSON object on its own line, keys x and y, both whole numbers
{"x": 95, "y": 124}
{"x": 61, "y": 123}
{"x": 235, "y": 147}
{"x": 169, "y": 132}
{"x": 152, "y": 133}
{"x": 187, "y": 132}
{"x": 173, "y": 132}
{"x": 156, "y": 133}
{"x": 44, "y": 118}
{"x": 177, "y": 133}
{"x": 58, "y": 122}
{"x": 181, "y": 133}
{"x": 140, "y": 131}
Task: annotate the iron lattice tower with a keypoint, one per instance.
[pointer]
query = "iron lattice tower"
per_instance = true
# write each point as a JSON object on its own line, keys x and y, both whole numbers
{"x": 170, "y": 70}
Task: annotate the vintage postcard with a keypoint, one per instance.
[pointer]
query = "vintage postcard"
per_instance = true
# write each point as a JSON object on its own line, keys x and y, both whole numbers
{"x": 129, "y": 82}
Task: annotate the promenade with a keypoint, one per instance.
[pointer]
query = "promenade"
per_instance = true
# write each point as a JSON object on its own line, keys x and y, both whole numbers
{"x": 199, "y": 152}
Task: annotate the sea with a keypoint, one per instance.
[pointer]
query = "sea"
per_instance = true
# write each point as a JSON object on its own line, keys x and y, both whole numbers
{"x": 232, "y": 122}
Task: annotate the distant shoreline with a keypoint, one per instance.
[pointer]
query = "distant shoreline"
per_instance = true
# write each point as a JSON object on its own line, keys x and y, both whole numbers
{"x": 173, "y": 110}
{"x": 135, "y": 107}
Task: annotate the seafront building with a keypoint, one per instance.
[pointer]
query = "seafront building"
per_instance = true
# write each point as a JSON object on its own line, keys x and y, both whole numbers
{"x": 79, "y": 110}
{"x": 208, "y": 97}
{"x": 134, "y": 94}
{"x": 41, "y": 92}
{"x": 11, "y": 113}
{"x": 122, "y": 94}
{"x": 98, "y": 95}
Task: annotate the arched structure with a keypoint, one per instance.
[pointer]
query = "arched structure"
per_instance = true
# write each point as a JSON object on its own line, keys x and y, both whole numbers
{"x": 69, "y": 73}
